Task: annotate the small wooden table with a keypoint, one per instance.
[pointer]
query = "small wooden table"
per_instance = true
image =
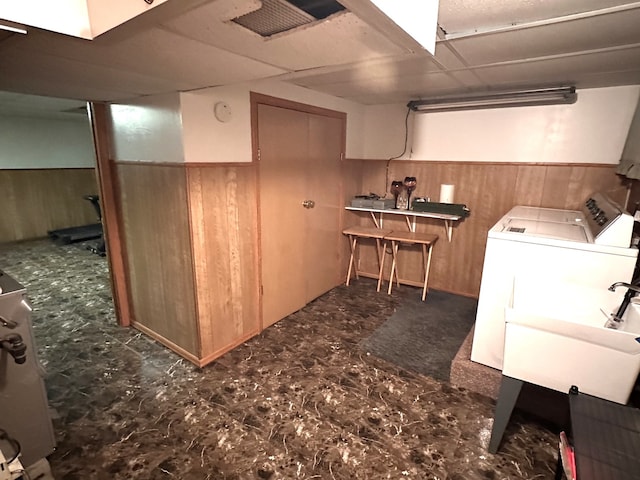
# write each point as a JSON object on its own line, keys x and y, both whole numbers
{"x": 425, "y": 240}
{"x": 356, "y": 232}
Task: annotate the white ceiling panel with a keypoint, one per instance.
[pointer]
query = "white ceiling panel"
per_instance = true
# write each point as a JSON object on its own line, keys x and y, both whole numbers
{"x": 460, "y": 16}
{"x": 564, "y": 70}
{"x": 447, "y": 57}
{"x": 606, "y": 79}
{"x": 15, "y": 104}
{"x": 585, "y": 34}
{"x": 409, "y": 85}
{"x": 339, "y": 39}
{"x": 389, "y": 68}
{"x": 399, "y": 96}
{"x": 154, "y": 52}
{"x": 469, "y": 79}
{"x": 44, "y": 70}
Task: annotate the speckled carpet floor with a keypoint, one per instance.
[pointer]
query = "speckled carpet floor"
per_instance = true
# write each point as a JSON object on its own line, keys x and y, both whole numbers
{"x": 301, "y": 400}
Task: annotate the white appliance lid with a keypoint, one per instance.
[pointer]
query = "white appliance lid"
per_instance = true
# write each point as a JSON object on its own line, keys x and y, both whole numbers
{"x": 546, "y": 229}
{"x": 546, "y": 214}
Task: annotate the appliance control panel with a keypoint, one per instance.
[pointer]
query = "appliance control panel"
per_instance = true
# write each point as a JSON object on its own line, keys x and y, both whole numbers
{"x": 609, "y": 224}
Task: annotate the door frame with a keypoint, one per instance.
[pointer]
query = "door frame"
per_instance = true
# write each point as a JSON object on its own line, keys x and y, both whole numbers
{"x": 262, "y": 99}
{"x": 100, "y": 121}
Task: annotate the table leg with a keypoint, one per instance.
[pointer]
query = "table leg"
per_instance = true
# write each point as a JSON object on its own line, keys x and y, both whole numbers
{"x": 353, "y": 240}
{"x": 426, "y": 259}
{"x": 381, "y": 255}
{"x": 375, "y": 220}
{"x": 394, "y": 253}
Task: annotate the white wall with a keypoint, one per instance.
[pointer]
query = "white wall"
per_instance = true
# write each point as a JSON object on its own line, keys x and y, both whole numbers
{"x": 148, "y": 129}
{"x": 208, "y": 140}
{"x": 182, "y": 127}
{"x": 593, "y": 130}
{"x": 46, "y": 143}
{"x": 384, "y": 131}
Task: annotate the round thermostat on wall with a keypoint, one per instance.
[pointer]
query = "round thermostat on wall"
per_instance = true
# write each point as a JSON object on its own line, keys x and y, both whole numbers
{"x": 222, "y": 111}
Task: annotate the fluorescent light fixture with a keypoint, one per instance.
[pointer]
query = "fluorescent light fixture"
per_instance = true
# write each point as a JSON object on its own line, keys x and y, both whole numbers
{"x": 12, "y": 27}
{"x": 522, "y": 98}
{"x": 418, "y": 18}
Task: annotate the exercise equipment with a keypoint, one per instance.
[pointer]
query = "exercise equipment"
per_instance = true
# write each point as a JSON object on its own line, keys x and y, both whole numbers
{"x": 82, "y": 233}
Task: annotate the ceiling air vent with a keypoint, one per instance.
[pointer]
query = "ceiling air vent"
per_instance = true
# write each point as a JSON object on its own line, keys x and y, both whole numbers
{"x": 276, "y": 16}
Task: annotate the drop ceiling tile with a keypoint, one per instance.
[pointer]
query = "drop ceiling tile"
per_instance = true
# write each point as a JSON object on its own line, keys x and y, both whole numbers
{"x": 38, "y": 106}
{"x": 404, "y": 96}
{"x": 458, "y": 16}
{"x": 54, "y": 76}
{"x": 339, "y": 39}
{"x": 447, "y": 57}
{"x": 562, "y": 70}
{"x": 469, "y": 79}
{"x": 389, "y": 68}
{"x": 380, "y": 99}
{"x": 384, "y": 86}
{"x": 575, "y": 36}
{"x": 157, "y": 53}
{"x": 607, "y": 79}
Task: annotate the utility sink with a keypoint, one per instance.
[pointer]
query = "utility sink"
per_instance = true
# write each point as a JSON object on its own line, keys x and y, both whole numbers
{"x": 563, "y": 341}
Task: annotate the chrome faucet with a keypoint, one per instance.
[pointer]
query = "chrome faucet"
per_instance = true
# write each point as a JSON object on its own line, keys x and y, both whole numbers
{"x": 632, "y": 291}
{"x": 634, "y": 288}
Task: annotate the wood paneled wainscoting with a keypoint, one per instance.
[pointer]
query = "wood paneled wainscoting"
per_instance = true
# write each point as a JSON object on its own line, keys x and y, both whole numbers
{"x": 489, "y": 190}
{"x": 35, "y": 201}
{"x": 191, "y": 239}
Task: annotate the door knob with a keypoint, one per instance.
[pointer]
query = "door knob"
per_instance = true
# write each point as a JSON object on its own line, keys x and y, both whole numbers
{"x": 308, "y": 204}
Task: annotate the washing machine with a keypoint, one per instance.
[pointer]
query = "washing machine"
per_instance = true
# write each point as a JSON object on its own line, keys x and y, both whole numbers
{"x": 589, "y": 247}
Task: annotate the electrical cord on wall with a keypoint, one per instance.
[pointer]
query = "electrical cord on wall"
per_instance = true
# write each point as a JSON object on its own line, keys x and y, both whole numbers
{"x": 404, "y": 150}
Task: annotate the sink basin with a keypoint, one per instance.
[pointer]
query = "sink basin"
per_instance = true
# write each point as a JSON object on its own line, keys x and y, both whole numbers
{"x": 565, "y": 343}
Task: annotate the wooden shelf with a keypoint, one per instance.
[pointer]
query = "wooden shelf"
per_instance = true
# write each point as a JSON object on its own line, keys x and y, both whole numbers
{"x": 410, "y": 216}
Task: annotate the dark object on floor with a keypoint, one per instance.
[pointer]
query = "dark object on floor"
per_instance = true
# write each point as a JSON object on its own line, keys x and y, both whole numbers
{"x": 81, "y": 233}
{"x": 100, "y": 247}
{"x": 424, "y": 337}
{"x": 606, "y": 438}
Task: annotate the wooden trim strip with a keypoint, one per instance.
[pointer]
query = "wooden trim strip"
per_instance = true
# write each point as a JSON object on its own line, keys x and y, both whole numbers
{"x": 88, "y": 167}
{"x": 111, "y": 213}
{"x": 218, "y": 164}
{"x": 258, "y": 230}
{"x": 218, "y": 353}
{"x": 259, "y": 98}
{"x": 185, "y": 164}
{"x": 188, "y": 178}
{"x": 167, "y": 343}
{"x": 149, "y": 164}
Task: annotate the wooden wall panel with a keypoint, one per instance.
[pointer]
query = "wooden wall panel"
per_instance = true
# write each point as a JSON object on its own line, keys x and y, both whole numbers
{"x": 489, "y": 190}
{"x": 351, "y": 185}
{"x": 223, "y": 209}
{"x": 156, "y": 231}
{"x": 35, "y": 201}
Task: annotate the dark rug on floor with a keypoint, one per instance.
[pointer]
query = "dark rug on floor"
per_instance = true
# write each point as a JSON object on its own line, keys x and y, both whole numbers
{"x": 424, "y": 336}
